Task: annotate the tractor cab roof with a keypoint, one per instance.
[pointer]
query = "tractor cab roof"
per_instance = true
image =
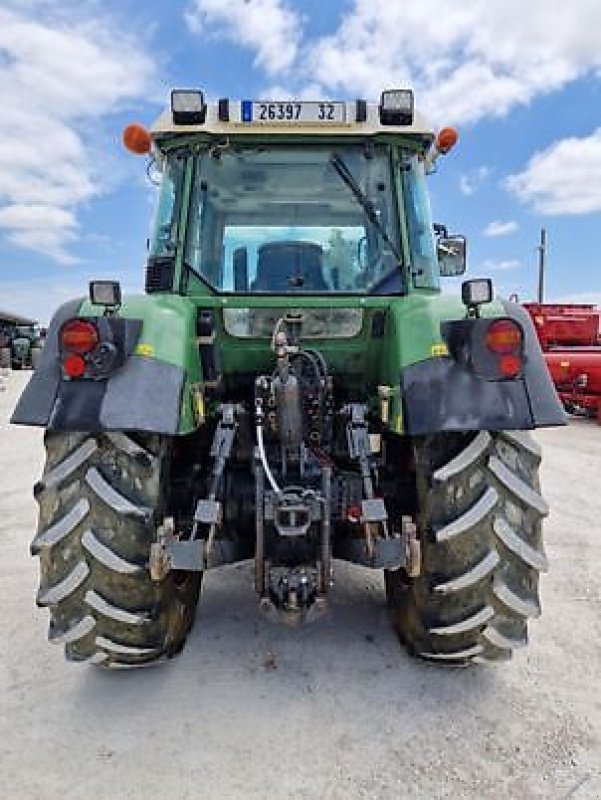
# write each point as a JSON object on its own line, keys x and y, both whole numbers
{"x": 282, "y": 119}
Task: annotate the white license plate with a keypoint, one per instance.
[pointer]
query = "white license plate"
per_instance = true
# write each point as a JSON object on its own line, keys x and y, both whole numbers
{"x": 290, "y": 112}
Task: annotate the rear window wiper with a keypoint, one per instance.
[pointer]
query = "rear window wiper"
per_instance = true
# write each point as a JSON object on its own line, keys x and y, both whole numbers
{"x": 366, "y": 204}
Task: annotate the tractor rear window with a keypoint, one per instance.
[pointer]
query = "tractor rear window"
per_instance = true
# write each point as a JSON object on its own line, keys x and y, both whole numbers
{"x": 283, "y": 219}
{"x": 318, "y": 323}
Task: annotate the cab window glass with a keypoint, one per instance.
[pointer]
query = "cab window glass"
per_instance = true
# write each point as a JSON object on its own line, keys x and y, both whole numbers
{"x": 281, "y": 219}
{"x": 163, "y": 239}
{"x": 424, "y": 264}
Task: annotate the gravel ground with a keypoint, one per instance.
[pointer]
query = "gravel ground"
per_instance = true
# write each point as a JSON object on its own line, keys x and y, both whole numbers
{"x": 335, "y": 710}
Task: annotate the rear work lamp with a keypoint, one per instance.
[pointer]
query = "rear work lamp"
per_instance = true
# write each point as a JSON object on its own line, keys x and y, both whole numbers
{"x": 396, "y": 107}
{"x": 105, "y": 293}
{"x": 188, "y": 107}
{"x": 476, "y": 292}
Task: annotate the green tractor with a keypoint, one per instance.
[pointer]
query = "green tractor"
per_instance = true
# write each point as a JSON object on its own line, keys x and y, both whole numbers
{"x": 21, "y": 347}
{"x": 293, "y": 388}
{"x": 5, "y": 353}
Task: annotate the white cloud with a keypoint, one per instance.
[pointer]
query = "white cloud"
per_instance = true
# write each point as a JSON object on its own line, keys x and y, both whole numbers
{"x": 310, "y": 91}
{"x": 468, "y": 60}
{"x": 497, "y": 228}
{"x": 563, "y": 179}
{"x": 57, "y": 79}
{"x": 41, "y": 227}
{"x": 268, "y": 27}
{"x": 489, "y": 265}
{"x": 465, "y": 186}
{"x": 470, "y": 183}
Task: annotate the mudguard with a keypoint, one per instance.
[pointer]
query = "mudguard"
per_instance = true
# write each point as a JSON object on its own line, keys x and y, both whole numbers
{"x": 144, "y": 393}
{"x": 445, "y": 394}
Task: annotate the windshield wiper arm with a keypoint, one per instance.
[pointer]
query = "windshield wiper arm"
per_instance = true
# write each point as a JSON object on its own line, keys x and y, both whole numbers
{"x": 366, "y": 204}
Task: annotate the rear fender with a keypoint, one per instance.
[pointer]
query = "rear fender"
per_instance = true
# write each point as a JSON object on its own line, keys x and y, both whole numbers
{"x": 446, "y": 394}
{"x": 150, "y": 390}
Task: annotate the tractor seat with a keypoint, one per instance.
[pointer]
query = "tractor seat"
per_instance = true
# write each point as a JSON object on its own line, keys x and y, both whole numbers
{"x": 288, "y": 267}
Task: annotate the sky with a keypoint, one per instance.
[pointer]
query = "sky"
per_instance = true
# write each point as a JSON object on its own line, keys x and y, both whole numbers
{"x": 520, "y": 81}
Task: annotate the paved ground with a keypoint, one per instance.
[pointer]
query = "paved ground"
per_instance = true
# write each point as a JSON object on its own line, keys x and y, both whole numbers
{"x": 334, "y": 711}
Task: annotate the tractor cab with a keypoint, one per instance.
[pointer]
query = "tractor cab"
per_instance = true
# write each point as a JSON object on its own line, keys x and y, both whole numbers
{"x": 295, "y": 198}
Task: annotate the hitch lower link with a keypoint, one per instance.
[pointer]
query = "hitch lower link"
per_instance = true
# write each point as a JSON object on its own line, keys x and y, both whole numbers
{"x": 381, "y": 546}
{"x": 374, "y": 517}
{"x": 200, "y": 552}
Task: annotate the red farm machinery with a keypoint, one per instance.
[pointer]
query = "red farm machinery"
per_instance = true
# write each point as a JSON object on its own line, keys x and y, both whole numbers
{"x": 570, "y": 339}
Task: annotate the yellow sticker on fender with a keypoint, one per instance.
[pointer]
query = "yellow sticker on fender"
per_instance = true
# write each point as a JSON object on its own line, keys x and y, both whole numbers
{"x": 143, "y": 349}
{"x": 439, "y": 349}
{"x": 198, "y": 403}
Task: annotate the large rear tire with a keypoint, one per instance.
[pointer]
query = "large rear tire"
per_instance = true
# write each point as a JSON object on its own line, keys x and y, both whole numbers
{"x": 481, "y": 548}
{"x": 100, "y": 499}
{"x": 5, "y": 358}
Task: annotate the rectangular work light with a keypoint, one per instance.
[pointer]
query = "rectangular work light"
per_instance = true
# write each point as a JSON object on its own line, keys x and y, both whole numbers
{"x": 396, "y": 107}
{"x": 188, "y": 107}
{"x": 476, "y": 292}
{"x": 105, "y": 293}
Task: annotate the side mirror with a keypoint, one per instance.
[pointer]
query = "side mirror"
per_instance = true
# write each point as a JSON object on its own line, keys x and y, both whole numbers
{"x": 451, "y": 252}
{"x": 240, "y": 260}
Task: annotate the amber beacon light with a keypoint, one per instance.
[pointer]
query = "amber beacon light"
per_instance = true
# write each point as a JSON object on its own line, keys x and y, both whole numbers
{"x": 447, "y": 139}
{"x": 136, "y": 139}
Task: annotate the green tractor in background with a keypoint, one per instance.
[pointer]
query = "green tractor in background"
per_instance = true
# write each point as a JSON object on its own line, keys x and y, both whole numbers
{"x": 4, "y": 347}
{"x": 293, "y": 388}
{"x": 21, "y": 347}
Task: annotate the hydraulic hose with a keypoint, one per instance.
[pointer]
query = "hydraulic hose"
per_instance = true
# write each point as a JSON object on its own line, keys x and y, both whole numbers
{"x": 263, "y": 456}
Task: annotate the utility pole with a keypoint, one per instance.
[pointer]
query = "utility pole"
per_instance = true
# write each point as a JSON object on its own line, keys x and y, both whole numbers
{"x": 542, "y": 251}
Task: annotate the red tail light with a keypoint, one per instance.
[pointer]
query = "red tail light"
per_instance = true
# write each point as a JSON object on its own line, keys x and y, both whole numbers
{"x": 78, "y": 336}
{"x": 504, "y": 337}
{"x": 74, "y": 365}
{"x": 510, "y": 365}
